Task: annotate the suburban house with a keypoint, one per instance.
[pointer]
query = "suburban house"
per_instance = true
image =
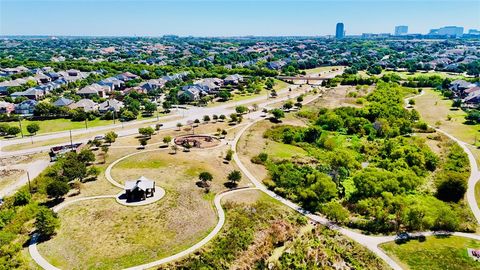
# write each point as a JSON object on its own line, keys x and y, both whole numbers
{"x": 193, "y": 92}
{"x": 35, "y": 93}
{"x": 12, "y": 71}
{"x": 6, "y": 107}
{"x": 153, "y": 84}
{"x": 110, "y": 105}
{"x": 127, "y": 76}
{"x": 6, "y": 84}
{"x": 233, "y": 79}
{"x": 112, "y": 83}
{"x": 93, "y": 90}
{"x": 26, "y": 107}
{"x": 140, "y": 189}
{"x": 473, "y": 98}
{"x": 86, "y": 104}
{"x": 210, "y": 85}
{"x": 62, "y": 102}
{"x": 72, "y": 75}
{"x": 460, "y": 86}
{"x": 276, "y": 64}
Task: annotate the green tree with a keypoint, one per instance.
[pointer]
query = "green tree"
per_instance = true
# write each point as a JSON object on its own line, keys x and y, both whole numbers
{"x": 86, "y": 156}
{"x": 288, "y": 105}
{"x": 21, "y": 197}
{"x": 167, "y": 139}
{"x": 33, "y": 128}
{"x": 150, "y": 107}
{"x": 143, "y": 142}
{"x": 104, "y": 152}
{"x": 241, "y": 109}
{"x": 46, "y": 222}
{"x": 205, "y": 177}
{"x": 229, "y": 154}
{"x": 335, "y": 212}
{"x": 56, "y": 189}
{"x": 277, "y": 114}
{"x": 13, "y": 131}
{"x": 146, "y": 131}
{"x": 72, "y": 167}
{"x": 224, "y": 95}
{"x": 93, "y": 172}
{"x": 234, "y": 177}
{"x": 110, "y": 137}
{"x": 452, "y": 187}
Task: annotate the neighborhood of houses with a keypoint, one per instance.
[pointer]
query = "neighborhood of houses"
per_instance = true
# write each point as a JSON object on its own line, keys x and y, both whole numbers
{"x": 468, "y": 92}
{"x": 47, "y": 81}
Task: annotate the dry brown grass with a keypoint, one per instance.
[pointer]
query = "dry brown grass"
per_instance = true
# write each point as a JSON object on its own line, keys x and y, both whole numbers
{"x": 335, "y": 97}
{"x": 102, "y": 234}
{"x": 8, "y": 177}
{"x": 433, "y": 108}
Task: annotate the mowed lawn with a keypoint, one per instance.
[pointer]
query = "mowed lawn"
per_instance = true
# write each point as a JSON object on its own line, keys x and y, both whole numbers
{"x": 102, "y": 234}
{"x": 318, "y": 70}
{"x": 54, "y": 125}
{"x": 448, "y": 253}
{"x": 62, "y": 124}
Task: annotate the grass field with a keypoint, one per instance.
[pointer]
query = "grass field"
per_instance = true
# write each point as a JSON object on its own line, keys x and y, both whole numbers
{"x": 62, "y": 124}
{"x": 127, "y": 236}
{"x": 434, "y": 109}
{"x": 318, "y": 70}
{"x": 279, "y": 85}
{"x": 102, "y": 234}
{"x": 435, "y": 253}
{"x": 405, "y": 75}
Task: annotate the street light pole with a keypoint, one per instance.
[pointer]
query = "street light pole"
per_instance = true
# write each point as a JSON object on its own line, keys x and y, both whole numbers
{"x": 71, "y": 140}
{"x": 20, "y": 122}
{"x": 29, "y": 185}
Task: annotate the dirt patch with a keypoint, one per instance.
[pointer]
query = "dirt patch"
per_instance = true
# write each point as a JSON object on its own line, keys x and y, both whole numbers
{"x": 8, "y": 177}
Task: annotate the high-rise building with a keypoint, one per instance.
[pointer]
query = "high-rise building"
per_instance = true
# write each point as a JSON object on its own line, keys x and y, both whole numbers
{"x": 454, "y": 31}
{"x": 340, "y": 31}
{"x": 401, "y": 30}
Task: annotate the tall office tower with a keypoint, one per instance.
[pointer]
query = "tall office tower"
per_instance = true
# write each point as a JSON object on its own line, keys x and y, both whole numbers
{"x": 340, "y": 31}
{"x": 401, "y": 30}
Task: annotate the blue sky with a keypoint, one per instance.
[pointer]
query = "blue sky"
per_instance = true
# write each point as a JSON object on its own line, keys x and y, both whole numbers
{"x": 229, "y": 17}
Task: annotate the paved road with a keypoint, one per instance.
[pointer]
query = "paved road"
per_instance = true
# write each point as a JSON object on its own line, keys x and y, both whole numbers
{"x": 33, "y": 168}
{"x": 190, "y": 114}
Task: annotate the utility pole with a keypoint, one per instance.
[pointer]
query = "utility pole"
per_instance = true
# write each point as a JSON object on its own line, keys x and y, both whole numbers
{"x": 86, "y": 124}
{"x": 114, "y": 116}
{"x": 71, "y": 141}
{"x": 29, "y": 185}
{"x": 20, "y": 122}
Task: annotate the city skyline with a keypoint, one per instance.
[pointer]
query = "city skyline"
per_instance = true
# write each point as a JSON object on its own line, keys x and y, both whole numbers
{"x": 229, "y": 18}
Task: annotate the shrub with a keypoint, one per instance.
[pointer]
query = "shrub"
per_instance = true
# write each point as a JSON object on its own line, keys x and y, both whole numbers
{"x": 260, "y": 158}
{"x": 22, "y": 197}
{"x": 229, "y": 154}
